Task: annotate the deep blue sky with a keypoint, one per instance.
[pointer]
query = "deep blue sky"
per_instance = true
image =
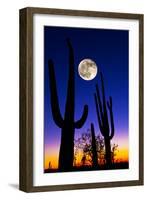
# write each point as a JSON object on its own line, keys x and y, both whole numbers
{"x": 109, "y": 50}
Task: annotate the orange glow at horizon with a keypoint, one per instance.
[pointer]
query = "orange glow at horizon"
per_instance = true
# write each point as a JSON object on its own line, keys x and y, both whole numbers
{"x": 122, "y": 155}
{"x": 51, "y": 160}
{"x": 51, "y": 157}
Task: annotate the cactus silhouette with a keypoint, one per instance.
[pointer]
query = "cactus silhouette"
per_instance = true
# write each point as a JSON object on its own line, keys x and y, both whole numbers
{"x": 66, "y": 123}
{"x": 94, "y": 150}
{"x": 103, "y": 121}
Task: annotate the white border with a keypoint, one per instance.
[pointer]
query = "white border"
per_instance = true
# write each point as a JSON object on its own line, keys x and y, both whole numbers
{"x": 41, "y": 179}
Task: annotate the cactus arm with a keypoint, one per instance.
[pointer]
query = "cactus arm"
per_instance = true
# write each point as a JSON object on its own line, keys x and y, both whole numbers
{"x": 103, "y": 90}
{"x": 71, "y": 54}
{"x": 70, "y": 99}
{"x": 99, "y": 101}
{"x": 54, "y": 97}
{"x": 78, "y": 124}
{"x": 105, "y": 115}
{"x": 98, "y": 114}
{"x": 109, "y": 104}
{"x": 103, "y": 95}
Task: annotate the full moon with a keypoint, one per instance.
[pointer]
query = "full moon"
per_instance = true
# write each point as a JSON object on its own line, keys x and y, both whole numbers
{"x": 87, "y": 69}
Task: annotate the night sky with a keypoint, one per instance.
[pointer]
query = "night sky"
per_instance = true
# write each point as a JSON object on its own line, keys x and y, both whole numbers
{"x": 109, "y": 50}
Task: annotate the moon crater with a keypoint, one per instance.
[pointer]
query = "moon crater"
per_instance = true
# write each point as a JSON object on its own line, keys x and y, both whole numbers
{"x": 87, "y": 69}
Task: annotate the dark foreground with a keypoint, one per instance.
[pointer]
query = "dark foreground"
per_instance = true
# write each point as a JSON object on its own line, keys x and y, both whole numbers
{"x": 122, "y": 165}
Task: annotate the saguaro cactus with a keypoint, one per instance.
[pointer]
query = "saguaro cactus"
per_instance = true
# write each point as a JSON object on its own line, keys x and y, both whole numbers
{"x": 103, "y": 120}
{"x": 94, "y": 150}
{"x": 66, "y": 123}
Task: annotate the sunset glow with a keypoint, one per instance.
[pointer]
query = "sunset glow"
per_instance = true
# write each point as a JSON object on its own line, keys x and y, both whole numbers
{"x": 122, "y": 153}
{"x": 64, "y": 48}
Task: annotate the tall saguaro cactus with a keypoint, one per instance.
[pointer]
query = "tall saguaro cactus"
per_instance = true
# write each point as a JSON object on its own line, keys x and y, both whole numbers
{"x": 66, "y": 123}
{"x": 106, "y": 126}
{"x": 94, "y": 150}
